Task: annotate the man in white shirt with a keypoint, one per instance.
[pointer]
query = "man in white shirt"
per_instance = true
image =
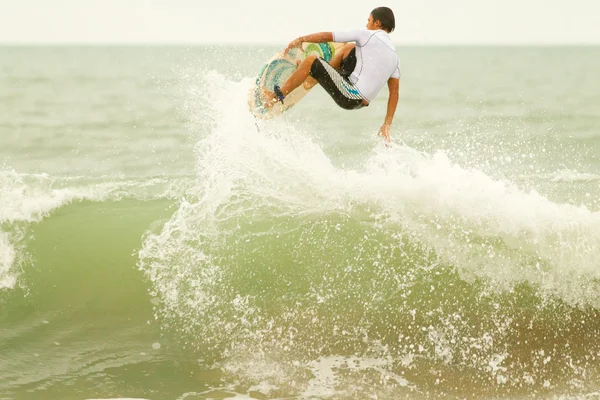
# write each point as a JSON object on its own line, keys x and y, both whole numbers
{"x": 357, "y": 73}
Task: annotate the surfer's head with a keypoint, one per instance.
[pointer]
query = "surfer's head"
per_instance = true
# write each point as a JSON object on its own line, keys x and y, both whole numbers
{"x": 382, "y": 18}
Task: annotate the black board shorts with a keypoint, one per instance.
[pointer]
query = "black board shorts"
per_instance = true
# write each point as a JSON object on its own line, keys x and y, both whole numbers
{"x": 336, "y": 83}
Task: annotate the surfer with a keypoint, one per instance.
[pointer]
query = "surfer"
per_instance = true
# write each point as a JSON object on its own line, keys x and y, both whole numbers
{"x": 357, "y": 73}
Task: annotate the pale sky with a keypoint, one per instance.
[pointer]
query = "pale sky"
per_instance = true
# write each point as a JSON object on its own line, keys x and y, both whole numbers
{"x": 279, "y": 21}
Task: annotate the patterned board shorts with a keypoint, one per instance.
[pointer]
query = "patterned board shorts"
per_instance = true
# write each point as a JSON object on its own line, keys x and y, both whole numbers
{"x": 343, "y": 92}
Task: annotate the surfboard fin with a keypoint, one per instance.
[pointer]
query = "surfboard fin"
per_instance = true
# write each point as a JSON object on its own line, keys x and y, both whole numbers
{"x": 278, "y": 93}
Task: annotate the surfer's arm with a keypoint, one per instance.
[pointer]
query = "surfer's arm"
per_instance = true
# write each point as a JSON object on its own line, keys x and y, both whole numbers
{"x": 394, "y": 88}
{"x": 320, "y": 37}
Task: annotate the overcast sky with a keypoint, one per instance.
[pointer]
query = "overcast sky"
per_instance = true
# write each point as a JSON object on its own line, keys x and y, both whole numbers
{"x": 276, "y": 21}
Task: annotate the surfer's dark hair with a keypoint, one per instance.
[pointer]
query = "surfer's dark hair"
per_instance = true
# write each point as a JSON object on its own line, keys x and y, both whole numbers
{"x": 386, "y": 16}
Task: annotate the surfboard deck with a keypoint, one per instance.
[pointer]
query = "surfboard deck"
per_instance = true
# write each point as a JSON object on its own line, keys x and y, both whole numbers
{"x": 278, "y": 69}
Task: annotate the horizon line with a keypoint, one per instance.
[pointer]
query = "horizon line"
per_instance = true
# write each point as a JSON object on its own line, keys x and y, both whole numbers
{"x": 259, "y": 43}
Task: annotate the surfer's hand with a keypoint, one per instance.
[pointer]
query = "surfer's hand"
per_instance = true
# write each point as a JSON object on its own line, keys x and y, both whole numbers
{"x": 293, "y": 44}
{"x": 384, "y": 132}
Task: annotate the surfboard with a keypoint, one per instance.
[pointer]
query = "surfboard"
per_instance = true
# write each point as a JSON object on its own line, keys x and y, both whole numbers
{"x": 278, "y": 69}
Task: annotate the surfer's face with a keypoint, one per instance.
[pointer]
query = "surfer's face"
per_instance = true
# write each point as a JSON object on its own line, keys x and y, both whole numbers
{"x": 373, "y": 25}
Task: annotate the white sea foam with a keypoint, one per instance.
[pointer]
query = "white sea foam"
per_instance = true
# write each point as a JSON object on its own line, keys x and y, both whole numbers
{"x": 567, "y": 175}
{"x": 487, "y": 228}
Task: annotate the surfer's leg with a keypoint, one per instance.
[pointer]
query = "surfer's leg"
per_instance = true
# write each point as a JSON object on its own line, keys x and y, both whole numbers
{"x": 341, "y": 90}
{"x": 310, "y": 82}
{"x": 297, "y": 78}
{"x": 336, "y": 62}
{"x": 302, "y": 74}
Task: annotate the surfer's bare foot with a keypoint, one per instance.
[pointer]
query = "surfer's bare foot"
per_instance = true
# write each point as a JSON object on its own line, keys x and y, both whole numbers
{"x": 269, "y": 98}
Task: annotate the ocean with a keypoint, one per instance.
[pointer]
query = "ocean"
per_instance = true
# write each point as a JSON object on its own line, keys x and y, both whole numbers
{"x": 156, "y": 242}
